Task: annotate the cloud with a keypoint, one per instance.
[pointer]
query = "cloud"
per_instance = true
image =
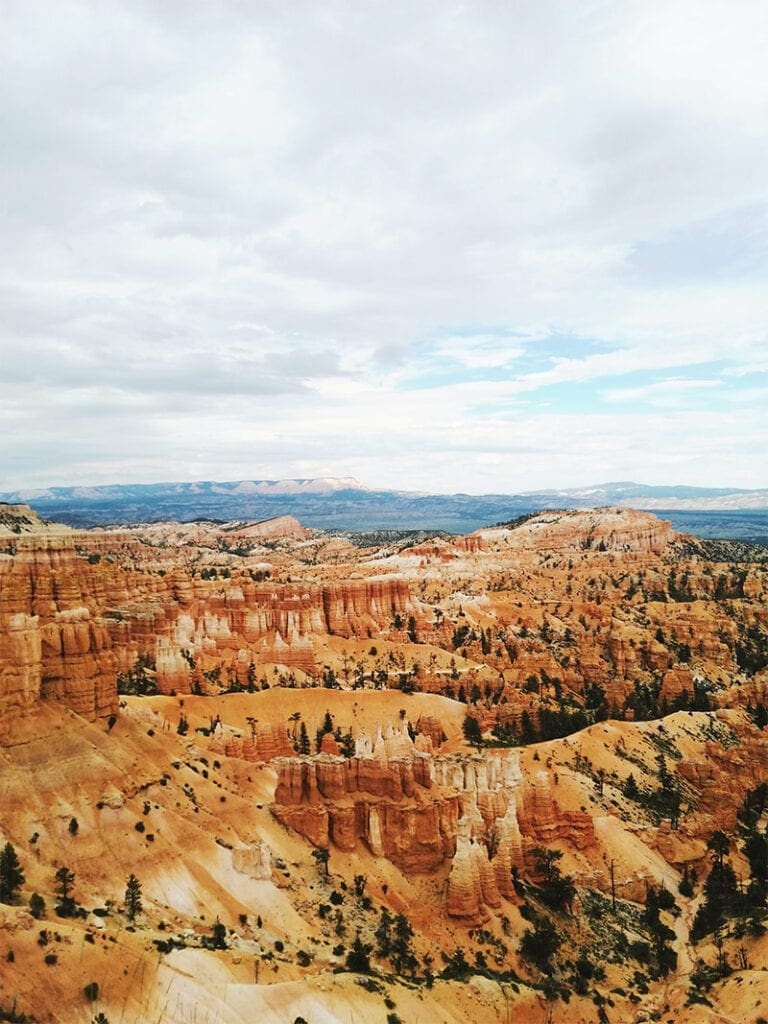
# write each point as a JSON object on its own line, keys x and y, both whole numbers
{"x": 673, "y": 392}
{"x": 313, "y": 238}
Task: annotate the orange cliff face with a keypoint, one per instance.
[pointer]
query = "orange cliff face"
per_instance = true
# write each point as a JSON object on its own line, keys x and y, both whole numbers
{"x": 565, "y": 615}
{"x": 76, "y": 609}
{"x": 53, "y": 644}
{"x": 611, "y": 598}
{"x": 421, "y": 811}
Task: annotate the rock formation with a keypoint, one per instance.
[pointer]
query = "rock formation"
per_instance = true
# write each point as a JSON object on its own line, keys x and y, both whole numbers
{"x": 419, "y": 810}
{"x": 635, "y": 605}
{"x": 253, "y": 860}
{"x": 52, "y": 645}
{"x": 577, "y": 620}
{"x": 73, "y": 616}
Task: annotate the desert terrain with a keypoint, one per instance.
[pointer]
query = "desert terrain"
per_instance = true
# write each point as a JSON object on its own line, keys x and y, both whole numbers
{"x": 517, "y": 775}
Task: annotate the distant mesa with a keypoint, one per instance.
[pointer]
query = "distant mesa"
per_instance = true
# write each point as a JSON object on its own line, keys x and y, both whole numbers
{"x": 318, "y": 485}
{"x": 281, "y": 527}
{"x": 18, "y": 518}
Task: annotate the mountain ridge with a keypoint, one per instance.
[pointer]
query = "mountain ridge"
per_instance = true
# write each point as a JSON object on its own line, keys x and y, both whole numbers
{"x": 345, "y": 503}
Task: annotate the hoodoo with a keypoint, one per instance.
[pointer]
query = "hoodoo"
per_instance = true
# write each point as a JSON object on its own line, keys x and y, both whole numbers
{"x": 464, "y": 766}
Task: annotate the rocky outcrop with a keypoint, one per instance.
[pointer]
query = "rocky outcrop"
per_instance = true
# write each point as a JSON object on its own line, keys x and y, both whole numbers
{"x": 390, "y": 796}
{"x": 431, "y": 727}
{"x": 19, "y": 520}
{"x": 508, "y": 841}
{"x": 465, "y": 898}
{"x": 546, "y": 823}
{"x": 675, "y": 682}
{"x": 601, "y": 530}
{"x": 96, "y": 602}
{"x": 419, "y": 810}
{"x": 253, "y": 859}
{"x": 77, "y": 609}
{"x": 279, "y": 528}
{"x": 723, "y": 778}
{"x": 265, "y": 742}
{"x": 359, "y": 606}
{"x": 52, "y": 645}
{"x": 173, "y": 672}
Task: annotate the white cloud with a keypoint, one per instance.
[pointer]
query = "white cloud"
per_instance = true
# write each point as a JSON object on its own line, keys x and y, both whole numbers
{"x": 672, "y": 392}
{"x": 232, "y": 233}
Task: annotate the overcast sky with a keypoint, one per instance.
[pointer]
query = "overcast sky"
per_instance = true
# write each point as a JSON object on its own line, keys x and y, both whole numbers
{"x": 486, "y": 246}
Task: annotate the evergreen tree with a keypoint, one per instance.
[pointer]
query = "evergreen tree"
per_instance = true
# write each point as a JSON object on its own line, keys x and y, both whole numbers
{"x": 383, "y": 934}
{"x": 219, "y": 936}
{"x": 539, "y": 944}
{"x": 346, "y": 743}
{"x": 631, "y": 789}
{"x": 756, "y": 851}
{"x": 403, "y": 959}
{"x": 304, "y": 745}
{"x": 661, "y": 935}
{"x": 722, "y": 895}
{"x": 558, "y": 890}
{"x": 36, "y": 906}
{"x": 11, "y": 875}
{"x": 719, "y": 844}
{"x": 485, "y": 642}
{"x": 358, "y": 958}
{"x": 527, "y": 729}
{"x": 65, "y": 880}
{"x": 133, "y": 904}
{"x": 472, "y": 731}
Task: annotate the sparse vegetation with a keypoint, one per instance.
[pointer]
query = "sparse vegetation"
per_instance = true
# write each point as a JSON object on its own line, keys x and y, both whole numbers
{"x": 133, "y": 901}
{"x": 65, "y": 880}
{"x": 11, "y": 874}
{"x": 537, "y": 647}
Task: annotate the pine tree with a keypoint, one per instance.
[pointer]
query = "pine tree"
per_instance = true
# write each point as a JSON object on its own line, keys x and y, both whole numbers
{"x": 631, "y": 789}
{"x": 540, "y": 943}
{"x": 383, "y": 934}
{"x": 304, "y": 745}
{"x": 527, "y": 729}
{"x": 403, "y": 959}
{"x": 11, "y": 875}
{"x": 65, "y": 880}
{"x": 133, "y": 905}
{"x": 472, "y": 732}
{"x": 358, "y": 956}
{"x": 219, "y": 936}
{"x": 36, "y": 905}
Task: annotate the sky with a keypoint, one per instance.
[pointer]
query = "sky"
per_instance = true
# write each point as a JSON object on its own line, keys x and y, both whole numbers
{"x": 436, "y": 246}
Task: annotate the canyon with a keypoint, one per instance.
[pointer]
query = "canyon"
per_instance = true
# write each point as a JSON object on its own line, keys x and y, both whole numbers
{"x": 316, "y": 732}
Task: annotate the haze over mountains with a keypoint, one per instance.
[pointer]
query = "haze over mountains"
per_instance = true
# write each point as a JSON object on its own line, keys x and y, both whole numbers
{"x": 344, "y": 503}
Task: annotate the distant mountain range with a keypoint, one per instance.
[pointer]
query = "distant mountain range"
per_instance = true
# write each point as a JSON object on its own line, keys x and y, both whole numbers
{"x": 345, "y": 504}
